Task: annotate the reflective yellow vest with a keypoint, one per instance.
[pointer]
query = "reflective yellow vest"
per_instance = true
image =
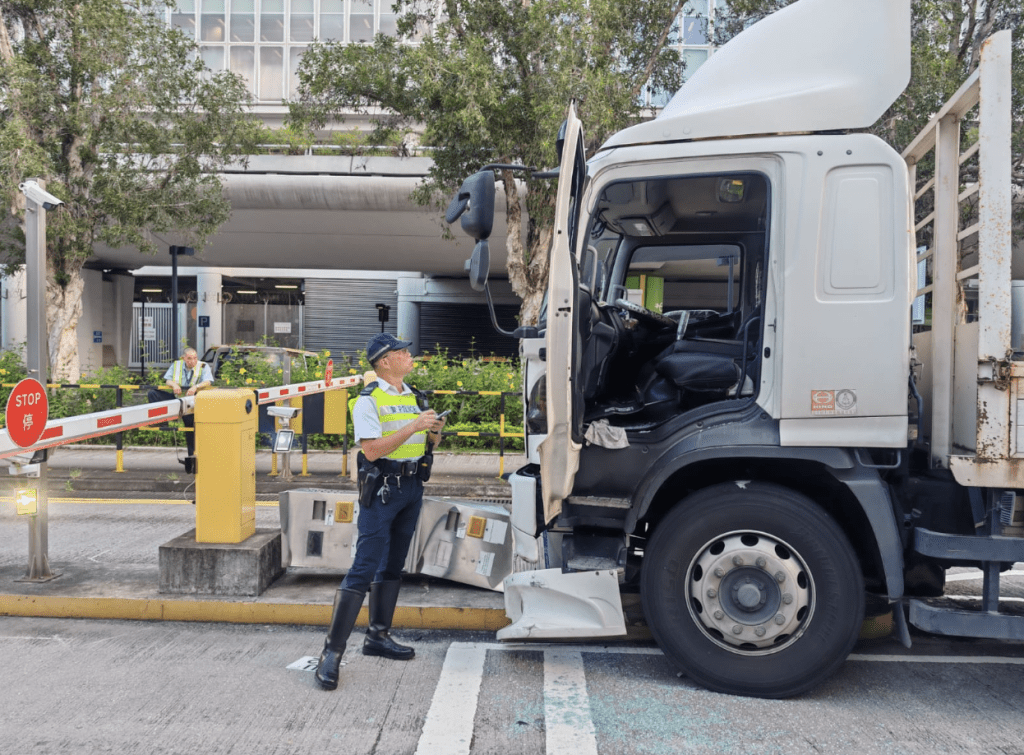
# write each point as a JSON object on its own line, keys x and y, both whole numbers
{"x": 179, "y": 373}
{"x": 396, "y": 412}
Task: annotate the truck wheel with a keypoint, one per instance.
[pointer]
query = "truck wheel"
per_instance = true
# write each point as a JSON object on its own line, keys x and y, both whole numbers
{"x": 751, "y": 589}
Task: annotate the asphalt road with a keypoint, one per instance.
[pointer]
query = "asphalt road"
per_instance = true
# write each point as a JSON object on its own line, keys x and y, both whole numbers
{"x": 84, "y": 686}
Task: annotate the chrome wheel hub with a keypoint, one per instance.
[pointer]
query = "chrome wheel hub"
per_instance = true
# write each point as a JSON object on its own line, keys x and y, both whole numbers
{"x": 750, "y": 592}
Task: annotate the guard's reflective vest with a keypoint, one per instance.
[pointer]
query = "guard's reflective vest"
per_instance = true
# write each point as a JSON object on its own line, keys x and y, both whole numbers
{"x": 178, "y": 373}
{"x": 396, "y": 412}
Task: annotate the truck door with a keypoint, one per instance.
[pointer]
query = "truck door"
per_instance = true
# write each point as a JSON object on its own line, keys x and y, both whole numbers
{"x": 560, "y": 451}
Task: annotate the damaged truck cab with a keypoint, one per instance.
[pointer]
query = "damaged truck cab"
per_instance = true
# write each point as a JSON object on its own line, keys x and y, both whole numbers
{"x": 717, "y": 393}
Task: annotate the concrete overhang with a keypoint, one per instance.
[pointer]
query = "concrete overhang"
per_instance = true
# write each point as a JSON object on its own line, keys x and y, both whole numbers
{"x": 328, "y": 212}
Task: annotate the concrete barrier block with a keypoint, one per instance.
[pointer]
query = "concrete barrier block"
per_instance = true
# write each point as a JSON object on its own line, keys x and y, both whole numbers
{"x": 246, "y": 568}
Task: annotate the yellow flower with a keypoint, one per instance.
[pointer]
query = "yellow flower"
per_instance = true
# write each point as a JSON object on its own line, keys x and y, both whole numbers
{"x": 319, "y": 374}
{"x": 241, "y": 370}
{"x": 351, "y": 371}
{"x": 280, "y": 370}
{"x": 459, "y": 383}
{"x": 327, "y": 353}
{"x": 94, "y": 395}
{"x": 446, "y": 367}
{"x": 3, "y": 372}
{"x": 248, "y": 380}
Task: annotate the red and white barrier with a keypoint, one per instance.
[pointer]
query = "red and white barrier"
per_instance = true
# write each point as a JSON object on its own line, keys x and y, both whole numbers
{"x": 72, "y": 429}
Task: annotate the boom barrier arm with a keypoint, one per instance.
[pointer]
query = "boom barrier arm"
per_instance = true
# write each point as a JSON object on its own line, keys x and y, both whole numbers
{"x": 59, "y": 432}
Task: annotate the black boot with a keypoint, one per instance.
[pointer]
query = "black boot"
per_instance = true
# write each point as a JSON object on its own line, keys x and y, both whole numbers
{"x": 346, "y": 608}
{"x": 383, "y": 599}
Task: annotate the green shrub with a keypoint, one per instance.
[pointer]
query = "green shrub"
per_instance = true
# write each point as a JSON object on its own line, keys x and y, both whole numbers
{"x": 433, "y": 372}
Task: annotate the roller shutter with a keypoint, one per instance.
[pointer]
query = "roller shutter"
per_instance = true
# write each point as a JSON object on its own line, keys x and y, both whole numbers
{"x": 341, "y": 316}
{"x": 460, "y": 328}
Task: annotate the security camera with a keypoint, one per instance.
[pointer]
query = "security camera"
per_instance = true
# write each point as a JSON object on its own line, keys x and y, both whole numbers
{"x": 40, "y": 196}
{"x": 285, "y": 412}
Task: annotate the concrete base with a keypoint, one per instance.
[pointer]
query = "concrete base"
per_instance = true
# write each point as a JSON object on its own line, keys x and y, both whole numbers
{"x": 246, "y": 568}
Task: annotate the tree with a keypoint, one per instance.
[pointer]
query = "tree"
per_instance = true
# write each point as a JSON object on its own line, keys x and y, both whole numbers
{"x": 489, "y": 82}
{"x": 115, "y": 111}
{"x": 945, "y": 49}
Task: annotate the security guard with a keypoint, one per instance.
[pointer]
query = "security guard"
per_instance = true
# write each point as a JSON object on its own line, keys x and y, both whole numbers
{"x": 190, "y": 375}
{"x": 393, "y": 433}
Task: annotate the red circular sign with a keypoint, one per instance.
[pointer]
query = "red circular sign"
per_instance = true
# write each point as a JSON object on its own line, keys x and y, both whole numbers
{"x": 329, "y": 372}
{"x": 27, "y": 409}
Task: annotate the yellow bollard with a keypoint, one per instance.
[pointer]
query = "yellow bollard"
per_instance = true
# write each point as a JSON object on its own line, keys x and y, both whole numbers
{"x": 226, "y": 476}
{"x": 120, "y": 461}
{"x": 305, "y": 470}
{"x": 273, "y": 465}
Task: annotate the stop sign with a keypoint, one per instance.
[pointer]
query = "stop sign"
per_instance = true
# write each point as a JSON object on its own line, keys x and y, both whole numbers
{"x": 329, "y": 372}
{"x": 27, "y": 409}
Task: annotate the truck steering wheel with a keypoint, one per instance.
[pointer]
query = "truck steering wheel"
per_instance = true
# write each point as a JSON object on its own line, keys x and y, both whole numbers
{"x": 646, "y": 315}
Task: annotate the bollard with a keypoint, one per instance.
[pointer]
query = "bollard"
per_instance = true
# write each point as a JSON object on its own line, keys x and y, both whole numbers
{"x": 305, "y": 452}
{"x": 119, "y": 437}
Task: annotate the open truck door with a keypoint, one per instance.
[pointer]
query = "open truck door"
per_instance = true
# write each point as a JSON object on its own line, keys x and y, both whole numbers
{"x": 560, "y": 451}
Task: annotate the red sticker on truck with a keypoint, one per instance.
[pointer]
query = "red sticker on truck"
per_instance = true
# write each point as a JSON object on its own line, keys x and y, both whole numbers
{"x": 823, "y": 402}
{"x": 839, "y": 402}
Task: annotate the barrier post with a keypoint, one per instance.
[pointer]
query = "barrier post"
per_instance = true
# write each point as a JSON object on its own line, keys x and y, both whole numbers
{"x": 501, "y": 437}
{"x": 119, "y": 437}
{"x": 226, "y": 478}
{"x": 305, "y": 450}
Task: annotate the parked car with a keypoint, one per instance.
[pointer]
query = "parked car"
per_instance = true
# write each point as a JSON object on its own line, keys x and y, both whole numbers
{"x": 277, "y": 357}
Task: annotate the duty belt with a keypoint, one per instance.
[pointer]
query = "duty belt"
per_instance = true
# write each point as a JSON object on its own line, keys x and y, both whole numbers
{"x": 395, "y": 468}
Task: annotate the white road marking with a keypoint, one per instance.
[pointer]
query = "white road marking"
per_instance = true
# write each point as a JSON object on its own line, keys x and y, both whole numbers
{"x": 979, "y": 659}
{"x": 448, "y": 728}
{"x": 568, "y": 725}
{"x": 967, "y": 576}
{"x": 982, "y": 597}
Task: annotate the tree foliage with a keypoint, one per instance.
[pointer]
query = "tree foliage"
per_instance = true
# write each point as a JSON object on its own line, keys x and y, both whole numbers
{"x": 115, "y": 111}
{"x": 488, "y": 81}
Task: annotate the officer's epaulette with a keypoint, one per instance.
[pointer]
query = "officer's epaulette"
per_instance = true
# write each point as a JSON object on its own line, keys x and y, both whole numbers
{"x": 369, "y": 388}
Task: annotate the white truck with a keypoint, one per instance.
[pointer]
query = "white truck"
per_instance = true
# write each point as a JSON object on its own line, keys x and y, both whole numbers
{"x": 779, "y": 373}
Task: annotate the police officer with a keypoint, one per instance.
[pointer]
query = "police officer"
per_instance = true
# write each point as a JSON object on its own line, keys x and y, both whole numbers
{"x": 393, "y": 433}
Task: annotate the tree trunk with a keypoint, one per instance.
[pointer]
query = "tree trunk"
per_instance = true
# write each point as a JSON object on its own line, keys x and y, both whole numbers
{"x": 63, "y": 310}
{"x": 529, "y": 278}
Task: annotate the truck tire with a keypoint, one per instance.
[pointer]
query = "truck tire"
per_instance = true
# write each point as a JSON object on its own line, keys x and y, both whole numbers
{"x": 751, "y": 589}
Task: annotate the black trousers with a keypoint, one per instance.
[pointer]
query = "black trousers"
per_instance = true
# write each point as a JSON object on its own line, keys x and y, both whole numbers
{"x": 188, "y": 419}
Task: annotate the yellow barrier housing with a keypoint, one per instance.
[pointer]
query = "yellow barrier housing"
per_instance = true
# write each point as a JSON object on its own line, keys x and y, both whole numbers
{"x": 226, "y": 422}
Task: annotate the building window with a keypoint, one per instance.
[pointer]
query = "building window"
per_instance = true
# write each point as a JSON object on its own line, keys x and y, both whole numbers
{"x": 332, "y": 20}
{"x": 388, "y": 22}
{"x": 272, "y": 21}
{"x": 184, "y": 17}
{"x": 361, "y": 21}
{"x": 294, "y": 56}
{"x": 271, "y": 73}
{"x": 263, "y": 40}
{"x": 213, "y": 57}
{"x": 243, "y": 21}
{"x": 243, "y": 62}
{"x": 211, "y": 21}
{"x": 301, "y": 21}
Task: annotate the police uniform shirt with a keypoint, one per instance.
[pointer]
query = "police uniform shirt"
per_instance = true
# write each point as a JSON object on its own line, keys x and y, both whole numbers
{"x": 365, "y": 419}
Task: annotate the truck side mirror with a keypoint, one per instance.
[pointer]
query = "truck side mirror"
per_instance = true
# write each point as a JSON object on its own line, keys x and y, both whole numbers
{"x": 479, "y": 265}
{"x": 474, "y": 203}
